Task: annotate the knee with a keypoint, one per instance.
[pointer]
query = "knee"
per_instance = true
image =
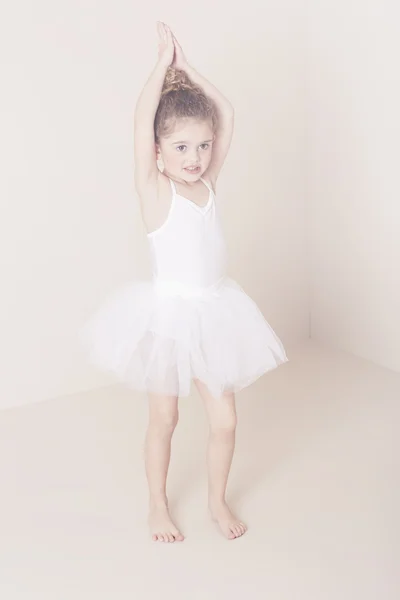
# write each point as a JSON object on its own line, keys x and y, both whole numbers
{"x": 224, "y": 426}
{"x": 164, "y": 421}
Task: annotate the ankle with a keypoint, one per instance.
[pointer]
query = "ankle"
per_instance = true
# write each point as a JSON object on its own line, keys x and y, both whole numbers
{"x": 158, "y": 502}
{"x": 216, "y": 501}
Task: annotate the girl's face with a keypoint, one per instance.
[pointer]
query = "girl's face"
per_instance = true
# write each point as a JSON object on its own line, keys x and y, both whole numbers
{"x": 186, "y": 152}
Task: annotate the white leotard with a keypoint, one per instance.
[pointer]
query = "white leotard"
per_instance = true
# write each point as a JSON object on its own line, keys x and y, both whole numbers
{"x": 188, "y": 250}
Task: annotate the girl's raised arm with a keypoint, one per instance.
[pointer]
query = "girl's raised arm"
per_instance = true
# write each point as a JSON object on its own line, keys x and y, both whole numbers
{"x": 224, "y": 109}
{"x": 145, "y": 167}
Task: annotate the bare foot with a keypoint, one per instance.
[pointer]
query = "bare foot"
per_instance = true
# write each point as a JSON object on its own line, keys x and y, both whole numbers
{"x": 229, "y": 525}
{"x": 161, "y": 526}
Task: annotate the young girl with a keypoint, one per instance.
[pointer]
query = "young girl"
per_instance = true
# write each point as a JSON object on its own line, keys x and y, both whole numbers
{"x": 191, "y": 322}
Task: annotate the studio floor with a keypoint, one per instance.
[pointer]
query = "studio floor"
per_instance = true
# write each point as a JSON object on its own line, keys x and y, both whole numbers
{"x": 315, "y": 477}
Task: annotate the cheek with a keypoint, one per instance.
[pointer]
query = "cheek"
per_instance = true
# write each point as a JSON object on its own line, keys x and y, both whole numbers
{"x": 172, "y": 158}
{"x": 174, "y": 163}
{"x": 207, "y": 158}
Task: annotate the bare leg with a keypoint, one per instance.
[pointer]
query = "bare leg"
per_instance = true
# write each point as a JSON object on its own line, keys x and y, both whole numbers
{"x": 222, "y": 419}
{"x": 163, "y": 418}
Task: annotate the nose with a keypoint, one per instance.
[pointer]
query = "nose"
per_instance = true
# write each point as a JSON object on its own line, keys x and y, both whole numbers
{"x": 195, "y": 156}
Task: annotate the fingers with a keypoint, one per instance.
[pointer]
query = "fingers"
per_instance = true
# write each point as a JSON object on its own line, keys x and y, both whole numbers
{"x": 179, "y": 52}
{"x": 166, "y": 47}
{"x": 164, "y": 31}
{"x": 170, "y": 41}
{"x": 167, "y": 28}
{"x": 176, "y": 42}
{"x": 167, "y": 33}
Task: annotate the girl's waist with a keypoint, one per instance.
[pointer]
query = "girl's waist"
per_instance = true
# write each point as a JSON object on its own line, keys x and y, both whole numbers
{"x": 173, "y": 287}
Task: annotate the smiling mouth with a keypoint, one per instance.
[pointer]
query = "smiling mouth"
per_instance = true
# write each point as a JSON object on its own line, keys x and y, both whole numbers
{"x": 192, "y": 169}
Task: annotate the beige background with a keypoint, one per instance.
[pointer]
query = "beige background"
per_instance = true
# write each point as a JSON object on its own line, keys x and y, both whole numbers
{"x": 353, "y": 186}
{"x": 310, "y": 200}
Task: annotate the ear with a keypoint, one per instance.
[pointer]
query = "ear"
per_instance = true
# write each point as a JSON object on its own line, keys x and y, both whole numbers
{"x": 159, "y": 160}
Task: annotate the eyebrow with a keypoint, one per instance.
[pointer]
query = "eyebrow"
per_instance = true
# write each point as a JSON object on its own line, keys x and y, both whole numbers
{"x": 186, "y": 142}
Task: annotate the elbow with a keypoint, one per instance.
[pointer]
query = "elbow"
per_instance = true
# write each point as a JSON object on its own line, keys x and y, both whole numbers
{"x": 228, "y": 115}
{"x": 229, "y": 112}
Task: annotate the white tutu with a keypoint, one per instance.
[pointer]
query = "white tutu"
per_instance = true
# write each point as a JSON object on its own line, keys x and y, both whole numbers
{"x": 157, "y": 337}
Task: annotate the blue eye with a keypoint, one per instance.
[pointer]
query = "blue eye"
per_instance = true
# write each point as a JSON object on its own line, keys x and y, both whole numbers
{"x": 180, "y": 147}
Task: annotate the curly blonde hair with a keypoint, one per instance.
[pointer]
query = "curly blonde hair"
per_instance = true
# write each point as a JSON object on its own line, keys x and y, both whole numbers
{"x": 181, "y": 99}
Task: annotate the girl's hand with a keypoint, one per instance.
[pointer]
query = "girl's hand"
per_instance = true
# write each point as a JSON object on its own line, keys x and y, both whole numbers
{"x": 166, "y": 47}
{"x": 180, "y": 61}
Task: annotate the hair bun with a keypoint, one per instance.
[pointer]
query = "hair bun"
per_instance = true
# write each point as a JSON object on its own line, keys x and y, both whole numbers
{"x": 181, "y": 98}
{"x": 176, "y": 80}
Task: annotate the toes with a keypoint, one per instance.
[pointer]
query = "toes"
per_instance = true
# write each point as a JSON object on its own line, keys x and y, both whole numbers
{"x": 167, "y": 537}
{"x": 237, "y": 530}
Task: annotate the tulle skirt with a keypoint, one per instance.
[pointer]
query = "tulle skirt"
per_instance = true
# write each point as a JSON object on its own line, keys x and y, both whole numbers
{"x": 158, "y": 336}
